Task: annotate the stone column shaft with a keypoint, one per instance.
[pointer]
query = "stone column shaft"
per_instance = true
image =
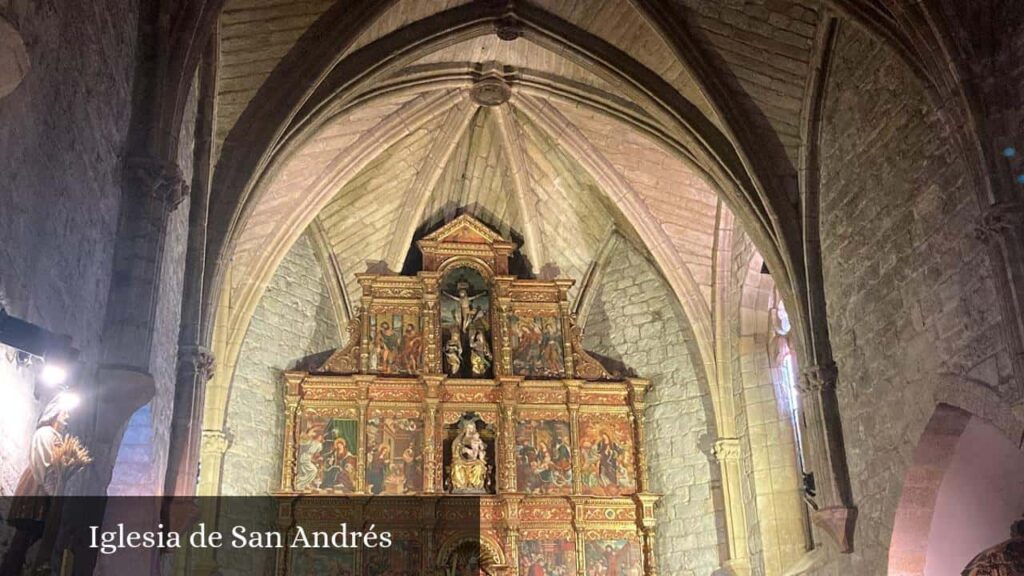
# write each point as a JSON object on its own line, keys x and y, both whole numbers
{"x": 831, "y": 501}
{"x": 727, "y": 453}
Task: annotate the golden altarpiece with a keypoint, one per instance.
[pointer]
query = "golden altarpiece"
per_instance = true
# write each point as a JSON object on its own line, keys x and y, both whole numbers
{"x": 464, "y": 380}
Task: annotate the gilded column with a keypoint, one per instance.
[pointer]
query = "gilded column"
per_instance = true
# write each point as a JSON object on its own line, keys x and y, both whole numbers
{"x": 503, "y": 339}
{"x": 431, "y": 328}
{"x": 637, "y": 391}
{"x": 577, "y": 528}
{"x": 645, "y": 511}
{"x": 430, "y": 434}
{"x": 507, "y": 433}
{"x": 512, "y": 533}
{"x": 650, "y": 559}
{"x": 365, "y": 282}
{"x": 361, "y": 413}
{"x": 572, "y": 397}
{"x": 566, "y": 316}
{"x": 293, "y": 395}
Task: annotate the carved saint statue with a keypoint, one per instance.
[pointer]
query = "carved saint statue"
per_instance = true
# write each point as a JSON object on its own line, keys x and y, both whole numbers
{"x": 53, "y": 458}
{"x": 469, "y": 460}
{"x": 453, "y": 354}
{"x": 481, "y": 358}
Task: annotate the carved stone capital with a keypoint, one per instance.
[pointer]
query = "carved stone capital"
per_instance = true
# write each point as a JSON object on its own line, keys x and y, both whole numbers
{"x": 838, "y": 523}
{"x": 726, "y": 449}
{"x": 155, "y": 178}
{"x": 998, "y": 219}
{"x": 215, "y": 443}
{"x": 820, "y": 377}
{"x": 200, "y": 359}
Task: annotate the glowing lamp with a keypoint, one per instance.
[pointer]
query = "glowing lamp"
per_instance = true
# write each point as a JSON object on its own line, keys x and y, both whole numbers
{"x": 53, "y": 375}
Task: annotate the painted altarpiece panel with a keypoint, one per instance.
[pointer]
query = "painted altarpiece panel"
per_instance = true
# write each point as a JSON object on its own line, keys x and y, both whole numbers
{"x": 613, "y": 557}
{"x": 394, "y": 441}
{"x": 606, "y": 453}
{"x": 397, "y": 337}
{"x": 543, "y": 553}
{"x": 327, "y": 454}
{"x": 537, "y": 342}
{"x": 543, "y": 455}
{"x": 379, "y": 419}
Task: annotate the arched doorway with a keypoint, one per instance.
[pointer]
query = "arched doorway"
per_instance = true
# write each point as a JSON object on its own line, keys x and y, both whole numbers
{"x": 963, "y": 489}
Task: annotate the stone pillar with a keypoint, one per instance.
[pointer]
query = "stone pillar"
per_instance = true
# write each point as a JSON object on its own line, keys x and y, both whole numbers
{"x": 727, "y": 453}
{"x": 195, "y": 369}
{"x": 831, "y": 501}
{"x": 213, "y": 445}
{"x": 1002, "y": 229}
{"x": 124, "y": 383}
{"x": 195, "y": 361}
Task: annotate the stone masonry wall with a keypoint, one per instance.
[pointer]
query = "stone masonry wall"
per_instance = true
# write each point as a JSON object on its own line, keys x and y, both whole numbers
{"x": 62, "y": 132}
{"x": 636, "y": 319}
{"x": 909, "y": 290}
{"x": 142, "y": 457}
{"x": 293, "y": 319}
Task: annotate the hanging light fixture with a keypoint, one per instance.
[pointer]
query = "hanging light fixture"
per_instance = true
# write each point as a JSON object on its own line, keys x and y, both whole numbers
{"x": 35, "y": 344}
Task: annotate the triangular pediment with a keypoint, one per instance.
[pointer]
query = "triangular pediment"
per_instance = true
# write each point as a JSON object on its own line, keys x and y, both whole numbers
{"x": 465, "y": 230}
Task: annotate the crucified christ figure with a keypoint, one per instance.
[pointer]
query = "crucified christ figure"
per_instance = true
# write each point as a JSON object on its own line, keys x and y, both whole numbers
{"x": 467, "y": 313}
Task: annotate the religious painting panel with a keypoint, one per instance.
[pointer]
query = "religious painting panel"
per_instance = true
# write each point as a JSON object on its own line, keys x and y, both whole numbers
{"x": 612, "y": 557}
{"x": 394, "y": 452}
{"x": 543, "y": 455}
{"x": 537, "y": 343}
{"x": 326, "y": 455}
{"x": 466, "y": 324}
{"x": 606, "y": 451}
{"x": 546, "y": 556}
{"x": 396, "y": 340}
